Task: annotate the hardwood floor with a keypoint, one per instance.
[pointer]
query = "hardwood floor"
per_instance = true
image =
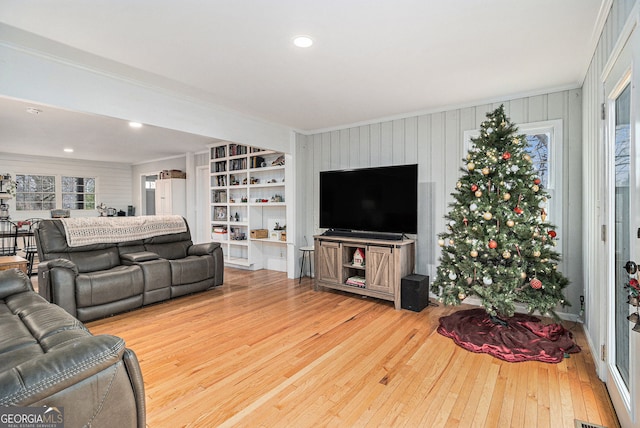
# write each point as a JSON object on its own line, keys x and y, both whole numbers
{"x": 263, "y": 351}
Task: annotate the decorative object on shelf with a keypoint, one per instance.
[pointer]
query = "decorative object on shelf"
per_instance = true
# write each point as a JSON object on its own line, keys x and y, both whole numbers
{"x": 102, "y": 209}
{"x": 259, "y": 233}
{"x": 279, "y": 161}
{"x": 358, "y": 257}
{"x": 220, "y": 213}
{"x": 357, "y": 281}
{"x": 237, "y": 234}
{"x": 237, "y": 217}
{"x": 172, "y": 173}
{"x": 7, "y": 191}
{"x": 7, "y": 187}
{"x": 277, "y": 198}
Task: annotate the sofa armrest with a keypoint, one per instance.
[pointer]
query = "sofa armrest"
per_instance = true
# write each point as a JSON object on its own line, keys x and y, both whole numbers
{"x": 61, "y": 368}
{"x": 90, "y": 377}
{"x": 13, "y": 281}
{"x": 142, "y": 256}
{"x": 57, "y": 283}
{"x": 135, "y": 375}
{"x": 206, "y": 248}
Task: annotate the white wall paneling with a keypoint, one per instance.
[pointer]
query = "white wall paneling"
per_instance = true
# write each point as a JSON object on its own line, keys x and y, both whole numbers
{"x": 435, "y": 142}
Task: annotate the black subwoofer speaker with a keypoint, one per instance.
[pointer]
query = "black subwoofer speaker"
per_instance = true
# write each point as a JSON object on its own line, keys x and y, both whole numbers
{"x": 414, "y": 292}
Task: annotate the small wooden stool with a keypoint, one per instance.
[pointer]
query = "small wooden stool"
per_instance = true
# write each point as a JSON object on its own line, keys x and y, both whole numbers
{"x": 306, "y": 252}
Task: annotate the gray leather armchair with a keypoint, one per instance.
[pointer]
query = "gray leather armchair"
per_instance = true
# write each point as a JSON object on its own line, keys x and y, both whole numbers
{"x": 48, "y": 358}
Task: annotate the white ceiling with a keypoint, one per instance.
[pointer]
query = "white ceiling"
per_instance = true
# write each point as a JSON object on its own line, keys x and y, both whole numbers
{"x": 371, "y": 59}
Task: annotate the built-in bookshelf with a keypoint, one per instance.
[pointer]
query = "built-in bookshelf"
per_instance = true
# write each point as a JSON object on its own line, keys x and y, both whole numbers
{"x": 248, "y": 194}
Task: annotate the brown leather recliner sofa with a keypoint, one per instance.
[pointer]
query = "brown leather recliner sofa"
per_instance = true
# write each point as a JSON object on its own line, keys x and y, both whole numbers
{"x": 49, "y": 359}
{"x": 115, "y": 272}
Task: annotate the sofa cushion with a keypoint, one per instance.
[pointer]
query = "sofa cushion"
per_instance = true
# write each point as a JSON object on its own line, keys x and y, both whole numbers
{"x": 16, "y": 342}
{"x": 89, "y": 261}
{"x": 97, "y": 288}
{"x": 169, "y": 250}
{"x": 192, "y": 269}
{"x": 52, "y": 242}
{"x": 31, "y": 326}
{"x": 14, "y": 284}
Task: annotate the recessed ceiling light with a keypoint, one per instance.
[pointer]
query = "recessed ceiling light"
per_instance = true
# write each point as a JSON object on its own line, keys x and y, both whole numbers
{"x": 303, "y": 41}
{"x": 135, "y": 124}
{"x": 68, "y": 150}
{"x": 32, "y": 110}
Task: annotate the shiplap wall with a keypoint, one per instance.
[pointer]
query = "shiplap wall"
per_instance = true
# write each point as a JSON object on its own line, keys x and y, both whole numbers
{"x": 113, "y": 180}
{"x": 435, "y": 142}
{"x": 595, "y": 251}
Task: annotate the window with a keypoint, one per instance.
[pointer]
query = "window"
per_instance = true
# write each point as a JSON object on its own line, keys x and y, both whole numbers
{"x": 545, "y": 148}
{"x": 35, "y": 192}
{"x": 538, "y": 149}
{"x": 78, "y": 193}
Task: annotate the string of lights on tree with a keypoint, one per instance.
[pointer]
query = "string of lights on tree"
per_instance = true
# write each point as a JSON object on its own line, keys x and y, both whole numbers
{"x": 498, "y": 245}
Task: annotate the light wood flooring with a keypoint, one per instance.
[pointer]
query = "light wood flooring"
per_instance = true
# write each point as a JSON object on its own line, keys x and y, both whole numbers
{"x": 263, "y": 351}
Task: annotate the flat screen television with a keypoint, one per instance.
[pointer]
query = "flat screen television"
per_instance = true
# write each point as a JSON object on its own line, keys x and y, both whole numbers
{"x": 379, "y": 200}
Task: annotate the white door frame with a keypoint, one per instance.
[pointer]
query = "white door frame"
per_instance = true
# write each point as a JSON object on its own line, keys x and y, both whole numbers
{"x": 142, "y": 193}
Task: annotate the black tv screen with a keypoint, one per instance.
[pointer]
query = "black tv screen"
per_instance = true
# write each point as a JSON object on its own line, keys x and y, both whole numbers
{"x": 383, "y": 199}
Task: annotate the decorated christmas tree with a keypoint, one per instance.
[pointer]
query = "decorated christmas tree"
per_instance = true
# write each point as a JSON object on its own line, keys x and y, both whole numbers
{"x": 498, "y": 245}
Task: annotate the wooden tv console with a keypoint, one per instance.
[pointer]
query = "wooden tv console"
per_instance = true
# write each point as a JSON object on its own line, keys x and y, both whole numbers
{"x": 385, "y": 264}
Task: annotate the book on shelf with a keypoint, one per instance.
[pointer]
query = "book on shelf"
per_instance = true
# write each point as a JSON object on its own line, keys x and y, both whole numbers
{"x": 220, "y": 196}
{"x": 238, "y": 164}
{"x": 257, "y": 162}
{"x": 219, "y": 152}
{"x": 356, "y": 281}
{"x": 237, "y": 149}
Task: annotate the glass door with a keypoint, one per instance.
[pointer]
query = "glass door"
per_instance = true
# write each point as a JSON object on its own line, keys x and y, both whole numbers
{"x": 622, "y": 345}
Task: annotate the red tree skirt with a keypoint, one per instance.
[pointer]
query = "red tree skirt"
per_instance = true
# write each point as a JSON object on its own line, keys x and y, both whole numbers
{"x": 524, "y": 338}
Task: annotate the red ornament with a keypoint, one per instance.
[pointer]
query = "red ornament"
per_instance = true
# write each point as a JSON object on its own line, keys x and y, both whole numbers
{"x": 493, "y": 244}
{"x": 535, "y": 283}
{"x": 634, "y": 283}
{"x": 518, "y": 210}
{"x": 552, "y": 233}
{"x": 537, "y": 181}
{"x": 506, "y": 156}
{"x": 474, "y": 187}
